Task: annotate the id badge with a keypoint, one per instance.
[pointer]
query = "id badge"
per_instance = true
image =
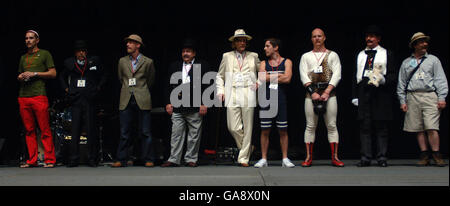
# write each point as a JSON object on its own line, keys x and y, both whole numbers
{"x": 420, "y": 75}
{"x": 132, "y": 82}
{"x": 238, "y": 79}
{"x": 367, "y": 73}
{"x": 318, "y": 70}
{"x": 273, "y": 86}
{"x": 81, "y": 83}
{"x": 187, "y": 80}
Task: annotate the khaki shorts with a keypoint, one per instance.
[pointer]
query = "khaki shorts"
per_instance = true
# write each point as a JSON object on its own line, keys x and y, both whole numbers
{"x": 422, "y": 113}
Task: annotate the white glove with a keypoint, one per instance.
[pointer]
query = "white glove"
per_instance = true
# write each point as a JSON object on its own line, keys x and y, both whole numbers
{"x": 355, "y": 102}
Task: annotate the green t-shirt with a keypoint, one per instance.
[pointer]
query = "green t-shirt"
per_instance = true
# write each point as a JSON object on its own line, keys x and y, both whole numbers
{"x": 40, "y": 61}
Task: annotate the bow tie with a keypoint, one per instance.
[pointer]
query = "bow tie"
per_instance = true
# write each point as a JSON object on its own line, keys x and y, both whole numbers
{"x": 371, "y": 52}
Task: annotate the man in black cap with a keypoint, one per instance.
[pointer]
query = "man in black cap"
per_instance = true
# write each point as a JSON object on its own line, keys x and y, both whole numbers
{"x": 374, "y": 84}
{"x": 183, "y": 90}
{"x": 82, "y": 79}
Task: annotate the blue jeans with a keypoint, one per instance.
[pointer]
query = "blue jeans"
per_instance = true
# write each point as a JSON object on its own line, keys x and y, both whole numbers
{"x": 126, "y": 119}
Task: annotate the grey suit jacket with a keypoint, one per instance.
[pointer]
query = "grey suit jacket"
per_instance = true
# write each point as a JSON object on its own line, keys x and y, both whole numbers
{"x": 144, "y": 74}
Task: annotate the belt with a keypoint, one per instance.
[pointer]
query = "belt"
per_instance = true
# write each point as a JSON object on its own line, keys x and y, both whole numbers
{"x": 321, "y": 85}
{"x": 421, "y": 91}
{"x": 332, "y": 94}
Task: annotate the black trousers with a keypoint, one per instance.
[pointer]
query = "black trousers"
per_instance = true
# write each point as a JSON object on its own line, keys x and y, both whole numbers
{"x": 379, "y": 128}
{"x": 80, "y": 107}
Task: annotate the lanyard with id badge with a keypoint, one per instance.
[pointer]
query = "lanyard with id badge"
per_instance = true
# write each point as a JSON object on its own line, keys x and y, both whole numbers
{"x": 132, "y": 81}
{"x": 239, "y": 78}
{"x": 319, "y": 69}
{"x": 274, "y": 85}
{"x": 420, "y": 75}
{"x": 416, "y": 64}
{"x": 81, "y": 83}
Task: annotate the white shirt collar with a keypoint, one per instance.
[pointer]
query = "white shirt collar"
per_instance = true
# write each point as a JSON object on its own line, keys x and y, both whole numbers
{"x": 238, "y": 53}
{"x": 413, "y": 56}
{"x": 376, "y": 48}
{"x": 192, "y": 62}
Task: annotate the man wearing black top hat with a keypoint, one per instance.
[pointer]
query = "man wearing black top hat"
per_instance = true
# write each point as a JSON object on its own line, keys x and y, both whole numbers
{"x": 184, "y": 104}
{"x": 374, "y": 83}
{"x": 82, "y": 79}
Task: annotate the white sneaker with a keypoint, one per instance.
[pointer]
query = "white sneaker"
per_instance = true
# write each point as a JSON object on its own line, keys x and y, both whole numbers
{"x": 261, "y": 163}
{"x": 287, "y": 163}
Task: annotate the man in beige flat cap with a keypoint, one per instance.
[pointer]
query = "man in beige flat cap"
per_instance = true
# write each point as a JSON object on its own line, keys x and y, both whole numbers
{"x": 236, "y": 84}
{"x": 136, "y": 74}
{"x": 422, "y": 89}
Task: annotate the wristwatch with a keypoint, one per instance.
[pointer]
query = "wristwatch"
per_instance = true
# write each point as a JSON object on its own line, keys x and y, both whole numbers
{"x": 35, "y": 74}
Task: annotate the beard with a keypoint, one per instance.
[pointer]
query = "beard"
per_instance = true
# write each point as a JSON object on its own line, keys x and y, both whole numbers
{"x": 30, "y": 45}
{"x": 130, "y": 50}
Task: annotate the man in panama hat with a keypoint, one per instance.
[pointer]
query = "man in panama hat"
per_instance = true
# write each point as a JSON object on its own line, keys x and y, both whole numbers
{"x": 422, "y": 89}
{"x": 236, "y": 84}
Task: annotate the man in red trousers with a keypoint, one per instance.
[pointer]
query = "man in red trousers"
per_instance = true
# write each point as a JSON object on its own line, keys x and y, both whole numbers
{"x": 34, "y": 67}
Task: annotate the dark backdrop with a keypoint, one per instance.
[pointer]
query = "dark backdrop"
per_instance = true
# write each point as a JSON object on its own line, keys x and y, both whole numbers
{"x": 164, "y": 24}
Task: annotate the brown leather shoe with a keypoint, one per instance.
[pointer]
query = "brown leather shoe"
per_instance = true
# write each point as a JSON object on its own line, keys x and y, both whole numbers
{"x": 424, "y": 160}
{"x": 118, "y": 164}
{"x": 169, "y": 164}
{"x": 244, "y": 165}
{"x": 130, "y": 163}
{"x": 149, "y": 164}
{"x": 191, "y": 164}
{"x": 437, "y": 157}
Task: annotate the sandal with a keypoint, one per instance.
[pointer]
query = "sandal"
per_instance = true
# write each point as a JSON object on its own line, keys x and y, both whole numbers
{"x": 26, "y": 165}
{"x": 49, "y": 165}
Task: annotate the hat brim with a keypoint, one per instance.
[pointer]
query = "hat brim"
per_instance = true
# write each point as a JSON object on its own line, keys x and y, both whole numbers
{"x": 238, "y": 36}
{"x": 376, "y": 33}
{"x": 130, "y": 39}
{"x": 414, "y": 40}
{"x": 80, "y": 48}
{"x": 189, "y": 46}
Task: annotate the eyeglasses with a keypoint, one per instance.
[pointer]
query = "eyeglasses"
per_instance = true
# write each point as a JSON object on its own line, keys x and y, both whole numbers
{"x": 240, "y": 40}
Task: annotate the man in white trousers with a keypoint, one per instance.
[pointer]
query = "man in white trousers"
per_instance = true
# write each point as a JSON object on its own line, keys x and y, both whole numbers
{"x": 236, "y": 85}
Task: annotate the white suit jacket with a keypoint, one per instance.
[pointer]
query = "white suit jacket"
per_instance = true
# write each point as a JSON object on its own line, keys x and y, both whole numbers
{"x": 229, "y": 65}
